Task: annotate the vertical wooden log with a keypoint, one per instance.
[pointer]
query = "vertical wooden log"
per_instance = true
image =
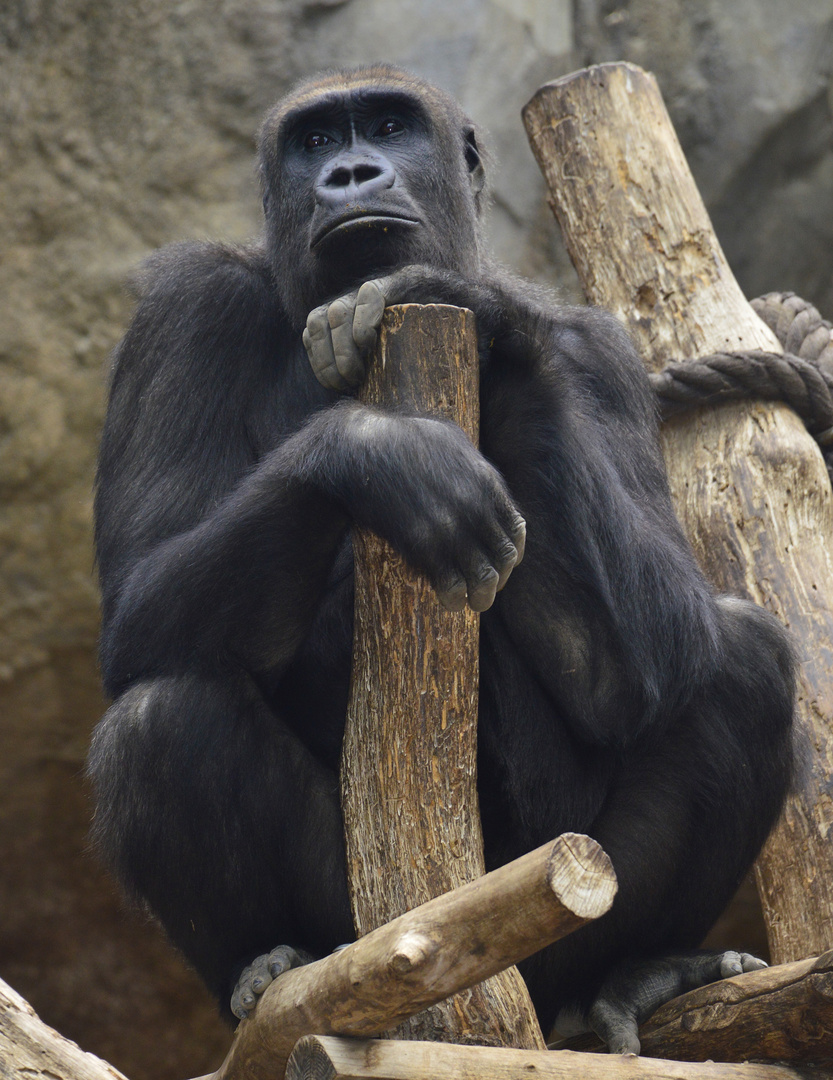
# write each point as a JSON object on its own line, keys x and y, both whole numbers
{"x": 409, "y": 759}
{"x": 749, "y": 483}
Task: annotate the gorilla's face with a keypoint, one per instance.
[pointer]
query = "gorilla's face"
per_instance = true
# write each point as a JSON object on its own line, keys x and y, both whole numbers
{"x": 364, "y": 177}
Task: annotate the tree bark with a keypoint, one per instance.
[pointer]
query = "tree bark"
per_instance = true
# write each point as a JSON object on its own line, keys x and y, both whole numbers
{"x": 452, "y": 942}
{"x": 325, "y": 1058}
{"x": 408, "y": 767}
{"x": 749, "y": 483}
{"x": 29, "y": 1049}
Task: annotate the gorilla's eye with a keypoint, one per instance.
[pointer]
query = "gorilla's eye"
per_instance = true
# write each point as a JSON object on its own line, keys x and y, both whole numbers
{"x": 391, "y": 126}
{"x": 313, "y": 140}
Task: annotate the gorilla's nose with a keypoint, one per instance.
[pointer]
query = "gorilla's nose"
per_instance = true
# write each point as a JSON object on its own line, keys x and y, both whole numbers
{"x": 354, "y": 181}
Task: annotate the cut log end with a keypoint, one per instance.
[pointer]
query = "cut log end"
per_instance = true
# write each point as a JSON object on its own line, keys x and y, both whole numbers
{"x": 581, "y": 875}
{"x": 311, "y": 1061}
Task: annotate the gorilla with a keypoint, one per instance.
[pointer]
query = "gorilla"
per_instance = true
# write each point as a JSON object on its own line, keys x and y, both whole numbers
{"x": 619, "y": 695}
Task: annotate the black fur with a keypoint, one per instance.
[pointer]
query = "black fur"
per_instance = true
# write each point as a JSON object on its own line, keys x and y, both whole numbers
{"x": 619, "y": 696}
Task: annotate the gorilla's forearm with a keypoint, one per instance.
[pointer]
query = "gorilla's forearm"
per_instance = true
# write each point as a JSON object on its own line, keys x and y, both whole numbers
{"x": 241, "y": 586}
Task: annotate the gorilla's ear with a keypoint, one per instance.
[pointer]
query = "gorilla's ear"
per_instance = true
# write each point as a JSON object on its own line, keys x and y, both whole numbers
{"x": 477, "y": 174}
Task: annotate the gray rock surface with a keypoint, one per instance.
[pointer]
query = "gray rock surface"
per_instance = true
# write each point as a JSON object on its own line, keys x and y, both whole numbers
{"x": 124, "y": 126}
{"x": 748, "y": 86}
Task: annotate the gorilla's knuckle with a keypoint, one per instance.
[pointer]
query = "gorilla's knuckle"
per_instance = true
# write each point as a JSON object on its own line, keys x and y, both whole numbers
{"x": 318, "y": 322}
{"x": 506, "y": 555}
{"x": 339, "y": 313}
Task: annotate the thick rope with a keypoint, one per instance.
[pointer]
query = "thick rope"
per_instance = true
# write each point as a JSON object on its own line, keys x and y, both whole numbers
{"x": 801, "y": 376}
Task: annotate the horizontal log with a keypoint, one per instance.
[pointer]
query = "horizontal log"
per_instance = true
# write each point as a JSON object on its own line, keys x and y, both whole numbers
{"x": 31, "y": 1049}
{"x": 440, "y": 948}
{"x": 322, "y": 1058}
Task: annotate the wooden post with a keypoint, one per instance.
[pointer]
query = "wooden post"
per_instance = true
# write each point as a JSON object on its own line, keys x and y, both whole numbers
{"x": 408, "y": 765}
{"x": 450, "y": 943}
{"x": 749, "y": 483}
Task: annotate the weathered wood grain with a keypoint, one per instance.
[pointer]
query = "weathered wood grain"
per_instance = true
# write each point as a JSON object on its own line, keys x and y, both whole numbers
{"x": 409, "y": 757}
{"x": 361, "y": 1059}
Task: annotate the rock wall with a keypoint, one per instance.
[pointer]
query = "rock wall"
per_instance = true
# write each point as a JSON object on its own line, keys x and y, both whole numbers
{"x": 125, "y": 126}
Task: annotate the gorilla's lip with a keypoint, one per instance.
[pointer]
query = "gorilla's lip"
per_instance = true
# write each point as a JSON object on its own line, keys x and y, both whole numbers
{"x": 357, "y": 220}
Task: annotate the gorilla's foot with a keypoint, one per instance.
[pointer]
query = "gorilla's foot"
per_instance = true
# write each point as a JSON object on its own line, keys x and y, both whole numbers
{"x": 264, "y": 969}
{"x": 637, "y": 988}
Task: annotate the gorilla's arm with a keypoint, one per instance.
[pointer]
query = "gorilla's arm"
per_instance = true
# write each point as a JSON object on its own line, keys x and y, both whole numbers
{"x": 214, "y": 549}
{"x": 192, "y": 536}
{"x": 609, "y": 607}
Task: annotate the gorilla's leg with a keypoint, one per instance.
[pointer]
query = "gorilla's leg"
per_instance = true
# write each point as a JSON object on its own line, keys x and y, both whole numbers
{"x": 684, "y": 819}
{"x": 215, "y": 815}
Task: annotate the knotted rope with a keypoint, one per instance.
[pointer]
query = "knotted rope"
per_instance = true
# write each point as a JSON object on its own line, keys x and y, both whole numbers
{"x": 801, "y": 376}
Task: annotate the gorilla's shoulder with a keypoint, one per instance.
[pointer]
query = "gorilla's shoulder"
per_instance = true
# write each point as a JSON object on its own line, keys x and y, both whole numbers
{"x": 191, "y": 270}
{"x": 199, "y": 305}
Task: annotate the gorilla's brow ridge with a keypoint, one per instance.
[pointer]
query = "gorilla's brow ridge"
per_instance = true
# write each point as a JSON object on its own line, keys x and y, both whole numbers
{"x": 332, "y": 105}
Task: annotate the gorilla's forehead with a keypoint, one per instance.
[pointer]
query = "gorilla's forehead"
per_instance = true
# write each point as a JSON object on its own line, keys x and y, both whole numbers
{"x": 379, "y": 77}
{"x": 333, "y": 86}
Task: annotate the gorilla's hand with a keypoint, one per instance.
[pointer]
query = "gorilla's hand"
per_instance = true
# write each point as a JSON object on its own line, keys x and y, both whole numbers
{"x": 636, "y": 989}
{"x": 339, "y": 335}
{"x": 421, "y": 484}
{"x": 263, "y": 970}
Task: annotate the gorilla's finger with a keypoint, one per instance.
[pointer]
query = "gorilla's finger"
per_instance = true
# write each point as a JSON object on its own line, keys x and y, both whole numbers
{"x": 319, "y": 345}
{"x": 504, "y": 543}
{"x": 237, "y": 1006}
{"x": 346, "y": 354}
{"x": 513, "y": 524}
{"x": 518, "y": 536}
{"x": 243, "y": 998}
{"x": 482, "y": 587}
{"x": 370, "y": 307}
{"x": 505, "y": 563}
{"x": 730, "y": 964}
{"x": 284, "y": 957}
{"x": 260, "y": 976}
{"x": 451, "y": 593}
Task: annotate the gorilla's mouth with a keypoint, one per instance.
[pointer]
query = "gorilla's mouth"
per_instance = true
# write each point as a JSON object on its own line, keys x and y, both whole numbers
{"x": 356, "y": 222}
